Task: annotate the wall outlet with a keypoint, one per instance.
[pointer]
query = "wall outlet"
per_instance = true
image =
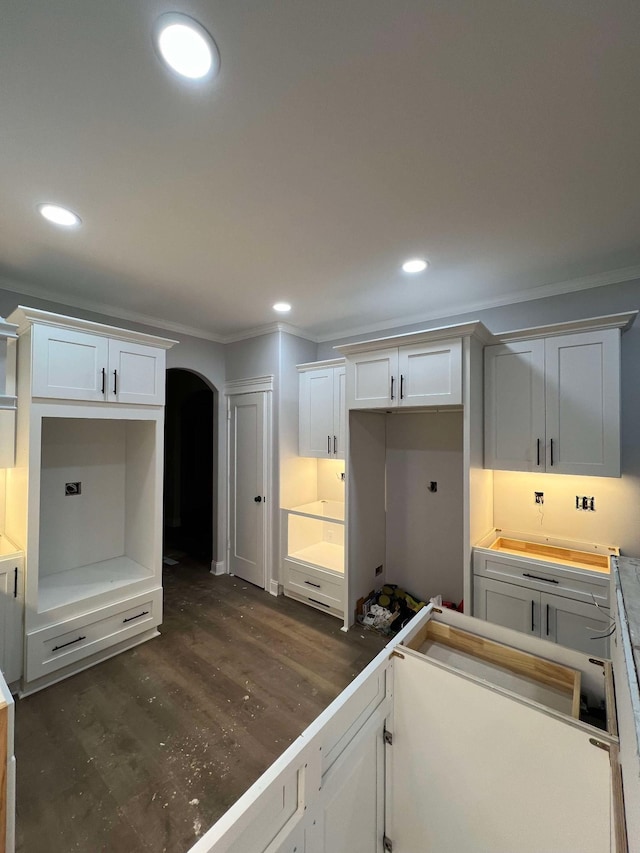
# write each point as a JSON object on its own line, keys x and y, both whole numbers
{"x": 585, "y": 503}
{"x": 539, "y": 497}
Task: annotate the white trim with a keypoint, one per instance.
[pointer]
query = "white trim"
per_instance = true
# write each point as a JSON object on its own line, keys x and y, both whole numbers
{"x": 316, "y": 365}
{"x": 26, "y": 317}
{"x": 608, "y": 321}
{"x": 218, "y": 567}
{"x": 268, "y": 329}
{"x": 572, "y": 285}
{"x": 274, "y": 587}
{"x": 459, "y": 330}
{"x": 249, "y": 386}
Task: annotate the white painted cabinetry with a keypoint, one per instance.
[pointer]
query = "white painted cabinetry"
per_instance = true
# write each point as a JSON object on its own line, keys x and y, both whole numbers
{"x": 398, "y": 762}
{"x": 322, "y": 410}
{"x": 555, "y": 598}
{"x": 553, "y": 404}
{"x": 71, "y": 364}
{"x": 417, "y": 374}
{"x": 11, "y": 610}
{"x": 85, "y": 498}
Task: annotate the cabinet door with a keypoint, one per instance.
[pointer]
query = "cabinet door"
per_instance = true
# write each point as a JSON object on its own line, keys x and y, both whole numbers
{"x": 514, "y": 401}
{"x": 340, "y": 411}
{"x": 316, "y": 413}
{"x": 372, "y": 380}
{"x": 575, "y": 624}
{"x": 11, "y": 635}
{"x": 431, "y": 374}
{"x": 136, "y": 373}
{"x": 507, "y": 604}
{"x": 583, "y": 403}
{"x": 68, "y": 364}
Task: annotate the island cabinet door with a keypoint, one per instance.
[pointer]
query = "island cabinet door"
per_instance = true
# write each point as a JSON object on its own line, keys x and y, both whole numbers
{"x": 507, "y": 604}
{"x": 575, "y": 624}
{"x": 472, "y": 769}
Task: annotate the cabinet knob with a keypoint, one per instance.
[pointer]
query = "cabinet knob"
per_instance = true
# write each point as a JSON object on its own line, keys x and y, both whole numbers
{"x": 258, "y": 499}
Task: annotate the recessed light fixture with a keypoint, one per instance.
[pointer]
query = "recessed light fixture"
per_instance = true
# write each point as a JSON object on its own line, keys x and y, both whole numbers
{"x": 414, "y": 265}
{"x": 282, "y": 307}
{"x": 59, "y": 215}
{"x": 185, "y": 46}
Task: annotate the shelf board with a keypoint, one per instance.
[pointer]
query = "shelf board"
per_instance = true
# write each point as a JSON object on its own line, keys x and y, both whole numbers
{"x": 61, "y": 588}
{"x": 322, "y": 555}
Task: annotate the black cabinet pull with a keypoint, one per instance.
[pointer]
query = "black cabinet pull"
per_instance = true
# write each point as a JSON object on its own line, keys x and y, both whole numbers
{"x": 329, "y": 445}
{"x": 317, "y": 585}
{"x": 104, "y": 379}
{"x": 70, "y": 643}
{"x": 393, "y": 379}
{"x": 258, "y": 499}
{"x": 402, "y": 386}
{"x": 335, "y": 444}
{"x": 551, "y": 446}
{"x": 538, "y": 452}
{"x": 321, "y": 603}
{"x": 547, "y": 620}
{"x": 15, "y": 582}
{"x": 533, "y": 607}
{"x": 131, "y": 618}
{"x": 115, "y": 381}
{"x": 538, "y": 578}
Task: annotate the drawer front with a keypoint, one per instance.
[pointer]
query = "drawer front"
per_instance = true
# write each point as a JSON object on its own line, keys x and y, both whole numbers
{"x": 57, "y": 646}
{"x": 571, "y": 583}
{"x": 316, "y": 587}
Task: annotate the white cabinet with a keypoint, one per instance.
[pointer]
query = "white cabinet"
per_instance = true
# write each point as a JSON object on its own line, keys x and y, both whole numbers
{"x": 555, "y": 593}
{"x": 85, "y": 498}
{"x": 322, "y": 410}
{"x": 420, "y": 374}
{"x": 11, "y": 610}
{"x": 554, "y": 404}
{"x": 454, "y": 725}
{"x": 71, "y": 364}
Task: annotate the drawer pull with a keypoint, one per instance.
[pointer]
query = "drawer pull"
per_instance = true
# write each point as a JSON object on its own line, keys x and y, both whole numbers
{"x": 321, "y": 603}
{"x": 115, "y": 381}
{"x": 104, "y": 379}
{"x": 131, "y": 618}
{"x": 547, "y": 620}
{"x": 310, "y": 583}
{"x": 70, "y": 643}
{"x": 538, "y": 578}
{"x": 533, "y": 610}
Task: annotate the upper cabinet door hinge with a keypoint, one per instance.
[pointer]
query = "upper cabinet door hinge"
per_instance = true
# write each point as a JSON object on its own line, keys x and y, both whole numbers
{"x": 388, "y": 737}
{"x": 387, "y": 844}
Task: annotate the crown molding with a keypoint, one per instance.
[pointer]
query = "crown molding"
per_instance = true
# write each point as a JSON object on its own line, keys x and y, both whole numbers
{"x": 268, "y": 329}
{"x": 541, "y": 292}
{"x": 249, "y": 386}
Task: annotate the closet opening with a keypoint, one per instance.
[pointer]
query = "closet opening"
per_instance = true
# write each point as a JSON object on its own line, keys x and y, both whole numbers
{"x": 190, "y": 468}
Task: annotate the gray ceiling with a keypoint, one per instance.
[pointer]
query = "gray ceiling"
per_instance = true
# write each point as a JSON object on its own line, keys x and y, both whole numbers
{"x": 499, "y": 138}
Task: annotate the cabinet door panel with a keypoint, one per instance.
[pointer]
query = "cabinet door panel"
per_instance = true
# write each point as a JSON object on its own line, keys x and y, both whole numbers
{"x": 316, "y": 413}
{"x": 508, "y": 605}
{"x": 136, "y": 373}
{"x": 583, "y": 403}
{"x": 68, "y": 364}
{"x": 11, "y": 602}
{"x": 575, "y": 624}
{"x": 514, "y": 406}
{"x": 372, "y": 380}
{"x": 431, "y": 374}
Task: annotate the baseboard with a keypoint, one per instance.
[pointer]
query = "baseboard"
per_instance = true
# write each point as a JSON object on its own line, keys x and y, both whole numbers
{"x": 275, "y": 588}
{"x": 218, "y": 567}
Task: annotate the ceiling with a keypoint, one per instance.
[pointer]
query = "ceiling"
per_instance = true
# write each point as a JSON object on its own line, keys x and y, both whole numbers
{"x": 499, "y": 139}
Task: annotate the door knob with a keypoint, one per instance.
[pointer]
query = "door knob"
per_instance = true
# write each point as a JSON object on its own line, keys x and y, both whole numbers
{"x": 258, "y": 499}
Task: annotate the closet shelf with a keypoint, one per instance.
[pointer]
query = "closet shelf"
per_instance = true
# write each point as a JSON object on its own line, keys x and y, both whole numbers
{"x": 83, "y": 582}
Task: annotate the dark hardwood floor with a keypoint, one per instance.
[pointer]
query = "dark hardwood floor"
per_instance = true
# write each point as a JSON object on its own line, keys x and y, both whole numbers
{"x": 145, "y": 751}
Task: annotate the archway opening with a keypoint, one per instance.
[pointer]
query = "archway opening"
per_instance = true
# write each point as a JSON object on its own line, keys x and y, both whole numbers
{"x": 190, "y": 464}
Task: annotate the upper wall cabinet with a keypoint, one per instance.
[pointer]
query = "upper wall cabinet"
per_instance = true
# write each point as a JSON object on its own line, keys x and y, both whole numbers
{"x": 74, "y": 360}
{"x": 419, "y": 374}
{"x": 553, "y": 403}
{"x": 323, "y": 409}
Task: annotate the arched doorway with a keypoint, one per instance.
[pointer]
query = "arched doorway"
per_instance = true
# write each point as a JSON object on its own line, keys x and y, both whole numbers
{"x": 190, "y": 467}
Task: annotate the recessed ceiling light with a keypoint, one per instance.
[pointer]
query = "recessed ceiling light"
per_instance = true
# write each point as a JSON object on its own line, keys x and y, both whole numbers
{"x": 59, "y": 215}
{"x": 282, "y": 307}
{"x": 185, "y": 46}
{"x": 414, "y": 265}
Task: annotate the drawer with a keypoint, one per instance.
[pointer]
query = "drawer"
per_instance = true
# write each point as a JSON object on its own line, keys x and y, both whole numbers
{"x": 579, "y": 584}
{"x": 68, "y": 642}
{"x": 321, "y": 589}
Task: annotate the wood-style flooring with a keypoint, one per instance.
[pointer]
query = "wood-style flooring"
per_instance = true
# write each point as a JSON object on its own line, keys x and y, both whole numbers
{"x": 145, "y": 751}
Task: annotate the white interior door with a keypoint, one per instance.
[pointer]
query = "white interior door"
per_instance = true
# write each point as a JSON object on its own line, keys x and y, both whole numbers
{"x": 247, "y": 493}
